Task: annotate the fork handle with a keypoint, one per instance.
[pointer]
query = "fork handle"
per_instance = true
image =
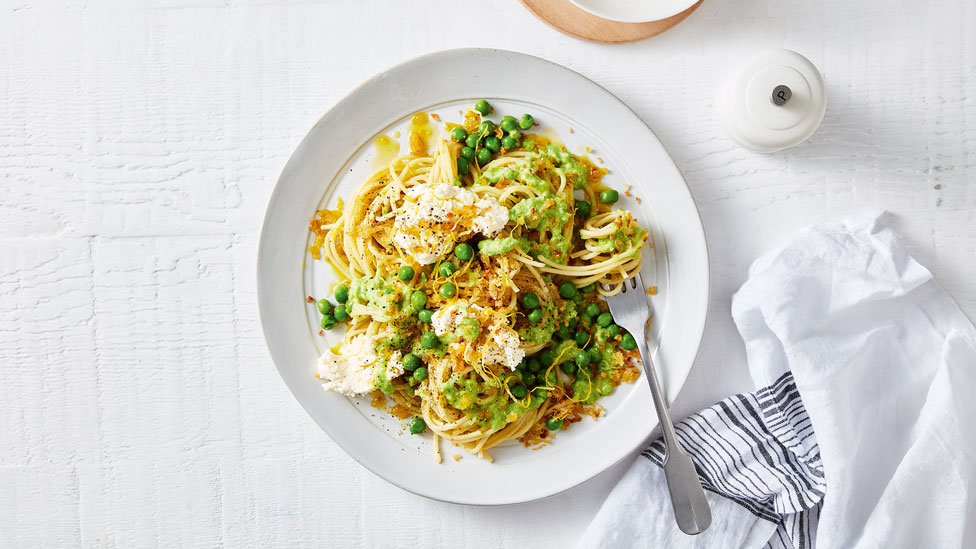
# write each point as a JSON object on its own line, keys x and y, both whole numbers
{"x": 660, "y": 401}
{"x": 691, "y": 510}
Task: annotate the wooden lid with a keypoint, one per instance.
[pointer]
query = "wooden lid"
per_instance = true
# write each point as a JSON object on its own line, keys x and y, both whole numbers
{"x": 565, "y": 17}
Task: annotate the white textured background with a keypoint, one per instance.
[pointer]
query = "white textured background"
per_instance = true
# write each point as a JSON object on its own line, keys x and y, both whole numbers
{"x": 138, "y": 147}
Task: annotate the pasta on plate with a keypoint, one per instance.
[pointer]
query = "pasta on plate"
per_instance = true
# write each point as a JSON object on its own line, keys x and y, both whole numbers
{"x": 471, "y": 283}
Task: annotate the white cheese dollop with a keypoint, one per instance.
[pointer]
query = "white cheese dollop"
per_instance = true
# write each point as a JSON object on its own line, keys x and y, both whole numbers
{"x": 417, "y": 224}
{"x": 394, "y": 367}
{"x": 446, "y": 319}
{"x": 504, "y": 346}
{"x": 445, "y": 191}
{"x": 499, "y": 344}
{"x": 492, "y": 219}
{"x": 352, "y": 372}
{"x": 443, "y": 320}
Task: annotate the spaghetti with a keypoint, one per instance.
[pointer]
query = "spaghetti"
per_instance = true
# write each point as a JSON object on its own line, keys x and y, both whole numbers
{"x": 473, "y": 278}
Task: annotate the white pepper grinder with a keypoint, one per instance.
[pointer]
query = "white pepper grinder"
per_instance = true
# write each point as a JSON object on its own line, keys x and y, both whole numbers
{"x": 775, "y": 100}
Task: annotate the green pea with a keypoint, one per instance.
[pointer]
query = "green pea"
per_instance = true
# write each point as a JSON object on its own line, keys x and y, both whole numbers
{"x": 589, "y": 288}
{"x": 462, "y": 166}
{"x": 594, "y": 354}
{"x": 469, "y": 328}
{"x": 628, "y": 342}
{"x": 515, "y": 134}
{"x": 584, "y": 208}
{"x": 429, "y": 341}
{"x": 604, "y": 387}
{"x": 592, "y": 309}
{"x": 533, "y": 365}
{"x": 526, "y": 121}
{"x": 567, "y": 290}
{"x": 472, "y": 143}
{"x": 493, "y": 144}
{"x": 426, "y": 316}
{"x": 519, "y": 391}
{"x": 447, "y": 269}
{"x": 563, "y": 332}
{"x": 417, "y": 426}
{"x": 550, "y": 378}
{"x": 411, "y": 362}
{"x": 508, "y": 143}
{"x": 484, "y": 156}
{"x": 405, "y": 273}
{"x": 508, "y": 123}
{"x": 483, "y": 107}
{"x": 609, "y": 197}
{"x": 578, "y": 298}
{"x": 328, "y": 322}
{"x": 420, "y": 374}
{"x": 486, "y": 128}
{"x": 530, "y": 300}
{"x": 582, "y": 358}
{"x": 418, "y": 299}
{"x": 581, "y": 338}
{"x": 528, "y": 144}
{"x": 342, "y": 293}
{"x": 613, "y": 330}
{"x": 585, "y": 320}
{"x": 458, "y": 134}
{"x": 467, "y": 153}
{"x": 463, "y": 252}
{"x": 325, "y": 306}
{"x": 568, "y": 367}
{"x": 605, "y": 319}
{"x": 447, "y": 290}
{"x": 529, "y": 379}
{"x": 547, "y": 357}
{"x": 554, "y": 424}
{"x": 340, "y": 313}
{"x": 535, "y": 316}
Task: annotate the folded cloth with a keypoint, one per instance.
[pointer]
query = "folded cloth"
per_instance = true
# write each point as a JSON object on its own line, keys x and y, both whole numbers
{"x": 853, "y": 340}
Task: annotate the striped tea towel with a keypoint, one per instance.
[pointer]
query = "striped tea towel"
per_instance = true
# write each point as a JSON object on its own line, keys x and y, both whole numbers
{"x": 864, "y": 431}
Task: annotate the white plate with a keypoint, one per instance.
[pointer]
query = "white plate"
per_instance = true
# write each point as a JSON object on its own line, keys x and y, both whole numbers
{"x": 333, "y": 160}
{"x": 634, "y": 11}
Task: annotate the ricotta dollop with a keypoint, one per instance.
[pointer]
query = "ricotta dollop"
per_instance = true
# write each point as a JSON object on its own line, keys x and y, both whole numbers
{"x": 435, "y": 214}
{"x": 499, "y": 344}
{"x": 354, "y": 371}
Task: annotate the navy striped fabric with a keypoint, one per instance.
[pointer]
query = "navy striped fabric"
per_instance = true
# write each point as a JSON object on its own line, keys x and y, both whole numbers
{"x": 758, "y": 449}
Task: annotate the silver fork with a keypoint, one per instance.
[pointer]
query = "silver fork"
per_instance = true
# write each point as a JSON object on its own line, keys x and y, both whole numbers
{"x": 691, "y": 512}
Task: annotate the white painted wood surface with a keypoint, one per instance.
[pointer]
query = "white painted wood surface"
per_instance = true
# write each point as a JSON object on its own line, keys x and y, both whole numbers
{"x": 138, "y": 147}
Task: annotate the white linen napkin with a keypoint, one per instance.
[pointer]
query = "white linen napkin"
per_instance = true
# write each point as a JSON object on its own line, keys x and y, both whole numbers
{"x": 884, "y": 368}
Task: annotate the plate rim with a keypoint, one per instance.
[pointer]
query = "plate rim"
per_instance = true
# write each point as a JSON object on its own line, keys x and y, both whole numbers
{"x": 278, "y": 190}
